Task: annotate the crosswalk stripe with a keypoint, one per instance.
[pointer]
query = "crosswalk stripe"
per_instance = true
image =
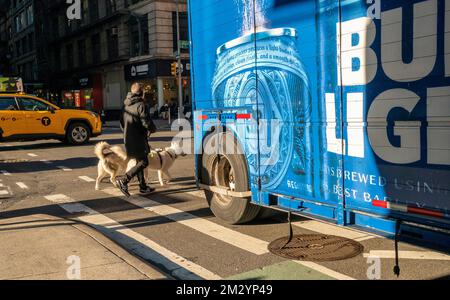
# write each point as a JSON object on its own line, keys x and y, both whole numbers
{"x": 32, "y": 155}
{"x": 65, "y": 169}
{"x": 329, "y": 229}
{"x": 366, "y": 238}
{"x": 86, "y": 178}
{"x": 22, "y": 185}
{"x": 2, "y": 193}
{"x": 237, "y": 239}
{"x": 182, "y": 217}
{"x": 324, "y": 270}
{"x": 6, "y": 173}
{"x": 417, "y": 255}
{"x": 317, "y": 226}
{"x": 142, "y": 246}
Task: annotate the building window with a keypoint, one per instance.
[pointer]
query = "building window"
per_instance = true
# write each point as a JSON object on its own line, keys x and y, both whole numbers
{"x": 96, "y": 48}
{"x": 84, "y": 12}
{"x": 131, "y": 2}
{"x": 139, "y": 37}
{"x": 82, "y": 53}
{"x": 30, "y": 42}
{"x": 55, "y": 27}
{"x": 18, "y": 49}
{"x": 184, "y": 32}
{"x": 110, "y": 6}
{"x": 30, "y": 15}
{"x": 57, "y": 60}
{"x": 69, "y": 56}
{"x": 113, "y": 43}
{"x": 93, "y": 10}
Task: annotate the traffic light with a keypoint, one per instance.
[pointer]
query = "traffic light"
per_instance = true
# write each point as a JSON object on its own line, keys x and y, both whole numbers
{"x": 174, "y": 67}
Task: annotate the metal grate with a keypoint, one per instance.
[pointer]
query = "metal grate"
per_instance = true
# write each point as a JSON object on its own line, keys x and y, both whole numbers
{"x": 316, "y": 247}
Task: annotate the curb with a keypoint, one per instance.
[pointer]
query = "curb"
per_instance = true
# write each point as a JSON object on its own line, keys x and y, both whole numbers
{"x": 143, "y": 267}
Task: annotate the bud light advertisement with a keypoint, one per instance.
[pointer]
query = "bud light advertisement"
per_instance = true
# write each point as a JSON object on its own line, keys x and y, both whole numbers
{"x": 349, "y": 100}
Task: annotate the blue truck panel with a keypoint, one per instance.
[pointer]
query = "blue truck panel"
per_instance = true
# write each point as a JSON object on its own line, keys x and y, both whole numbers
{"x": 342, "y": 108}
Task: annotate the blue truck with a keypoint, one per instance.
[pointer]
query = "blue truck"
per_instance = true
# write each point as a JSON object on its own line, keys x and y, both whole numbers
{"x": 338, "y": 110}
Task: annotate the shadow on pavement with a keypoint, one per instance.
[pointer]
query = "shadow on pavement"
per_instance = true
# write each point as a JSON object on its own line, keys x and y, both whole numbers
{"x": 38, "y": 166}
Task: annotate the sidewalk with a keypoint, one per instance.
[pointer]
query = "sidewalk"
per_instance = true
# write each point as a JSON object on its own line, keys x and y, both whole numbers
{"x": 45, "y": 247}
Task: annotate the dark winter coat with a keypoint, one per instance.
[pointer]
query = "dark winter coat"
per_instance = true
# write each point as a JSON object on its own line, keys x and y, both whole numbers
{"x": 137, "y": 125}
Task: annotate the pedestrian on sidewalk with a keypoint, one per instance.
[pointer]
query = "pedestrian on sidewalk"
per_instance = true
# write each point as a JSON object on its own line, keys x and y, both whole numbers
{"x": 137, "y": 126}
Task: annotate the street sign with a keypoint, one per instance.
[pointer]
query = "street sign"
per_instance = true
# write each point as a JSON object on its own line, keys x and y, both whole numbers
{"x": 11, "y": 84}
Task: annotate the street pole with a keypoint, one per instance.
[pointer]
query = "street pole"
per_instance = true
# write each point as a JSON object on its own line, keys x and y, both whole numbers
{"x": 180, "y": 84}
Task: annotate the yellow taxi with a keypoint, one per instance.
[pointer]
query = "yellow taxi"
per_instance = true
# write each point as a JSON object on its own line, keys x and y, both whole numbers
{"x": 26, "y": 117}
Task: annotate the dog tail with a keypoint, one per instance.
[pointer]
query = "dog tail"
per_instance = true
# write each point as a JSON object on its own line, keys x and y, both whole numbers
{"x": 120, "y": 152}
{"x": 100, "y": 150}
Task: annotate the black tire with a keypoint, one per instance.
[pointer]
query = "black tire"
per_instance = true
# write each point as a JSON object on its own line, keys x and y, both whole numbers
{"x": 78, "y": 134}
{"x": 229, "y": 209}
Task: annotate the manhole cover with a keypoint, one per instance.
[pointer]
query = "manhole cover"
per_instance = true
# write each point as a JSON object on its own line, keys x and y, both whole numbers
{"x": 316, "y": 247}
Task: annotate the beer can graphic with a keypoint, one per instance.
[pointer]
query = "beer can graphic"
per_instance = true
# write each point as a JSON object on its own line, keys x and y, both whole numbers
{"x": 263, "y": 72}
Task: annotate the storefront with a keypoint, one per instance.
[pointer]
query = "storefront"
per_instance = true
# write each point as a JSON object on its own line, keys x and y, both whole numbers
{"x": 86, "y": 93}
{"x": 160, "y": 86}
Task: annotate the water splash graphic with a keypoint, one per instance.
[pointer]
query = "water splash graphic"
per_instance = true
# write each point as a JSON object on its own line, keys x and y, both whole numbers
{"x": 249, "y": 21}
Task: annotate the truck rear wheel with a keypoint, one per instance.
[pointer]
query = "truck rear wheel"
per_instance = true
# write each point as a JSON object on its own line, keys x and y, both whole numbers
{"x": 228, "y": 171}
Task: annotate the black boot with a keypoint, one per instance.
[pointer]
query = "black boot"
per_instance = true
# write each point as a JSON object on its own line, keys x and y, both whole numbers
{"x": 143, "y": 188}
{"x": 146, "y": 190}
{"x": 122, "y": 183}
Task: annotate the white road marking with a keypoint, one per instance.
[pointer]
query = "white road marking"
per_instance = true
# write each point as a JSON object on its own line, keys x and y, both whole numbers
{"x": 22, "y": 185}
{"x": 201, "y": 225}
{"x": 86, "y": 178}
{"x": 417, "y": 255}
{"x": 330, "y": 229}
{"x": 317, "y": 226}
{"x": 65, "y": 169}
{"x": 237, "y": 239}
{"x": 6, "y": 173}
{"x": 362, "y": 239}
{"x": 32, "y": 155}
{"x": 45, "y": 161}
{"x": 2, "y": 193}
{"x": 199, "y": 194}
{"x": 324, "y": 270}
{"x": 135, "y": 242}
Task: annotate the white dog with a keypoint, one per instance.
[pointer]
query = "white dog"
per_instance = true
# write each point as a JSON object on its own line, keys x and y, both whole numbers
{"x": 114, "y": 162}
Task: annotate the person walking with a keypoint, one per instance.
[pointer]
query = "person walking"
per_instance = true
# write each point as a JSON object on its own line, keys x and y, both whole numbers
{"x": 137, "y": 126}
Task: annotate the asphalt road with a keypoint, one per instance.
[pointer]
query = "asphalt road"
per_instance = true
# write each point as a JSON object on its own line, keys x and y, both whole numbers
{"x": 174, "y": 230}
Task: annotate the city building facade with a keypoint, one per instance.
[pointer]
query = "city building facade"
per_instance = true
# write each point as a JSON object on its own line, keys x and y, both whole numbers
{"x": 91, "y": 62}
{"x": 18, "y": 42}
